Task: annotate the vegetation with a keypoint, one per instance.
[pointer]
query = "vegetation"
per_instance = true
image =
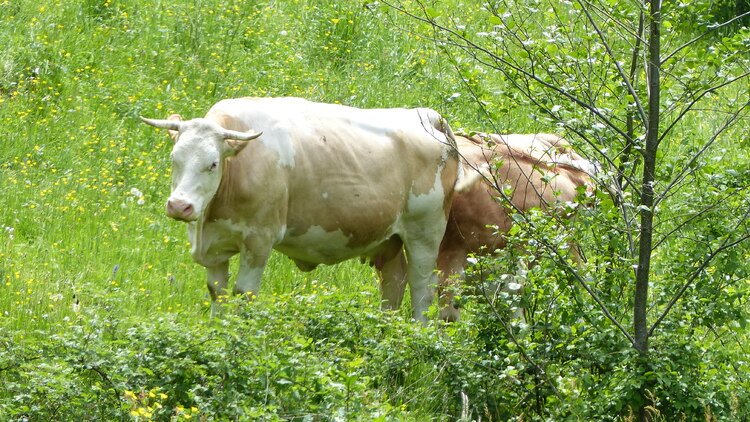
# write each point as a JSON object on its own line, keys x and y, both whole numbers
{"x": 103, "y": 316}
{"x": 629, "y": 87}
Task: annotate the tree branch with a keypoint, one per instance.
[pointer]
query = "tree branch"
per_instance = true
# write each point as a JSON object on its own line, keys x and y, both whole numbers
{"x": 698, "y": 98}
{"x": 696, "y": 215}
{"x": 561, "y": 259}
{"x": 710, "y": 30}
{"x": 724, "y": 246}
{"x": 515, "y": 341}
{"x": 612, "y": 57}
{"x": 467, "y": 45}
{"x": 686, "y": 168}
{"x": 637, "y": 35}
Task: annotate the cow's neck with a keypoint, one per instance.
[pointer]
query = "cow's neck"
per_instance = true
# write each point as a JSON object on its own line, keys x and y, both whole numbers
{"x": 214, "y": 211}
{"x": 217, "y": 208}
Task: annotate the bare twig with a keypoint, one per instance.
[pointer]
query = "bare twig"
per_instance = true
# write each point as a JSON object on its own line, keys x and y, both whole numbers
{"x": 698, "y": 98}
{"x": 473, "y": 48}
{"x": 700, "y": 153}
{"x": 693, "y": 217}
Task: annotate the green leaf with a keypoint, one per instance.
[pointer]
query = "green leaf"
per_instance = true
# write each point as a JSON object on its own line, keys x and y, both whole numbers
{"x": 432, "y": 13}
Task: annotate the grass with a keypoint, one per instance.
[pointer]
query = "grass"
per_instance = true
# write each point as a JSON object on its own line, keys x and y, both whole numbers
{"x": 84, "y": 182}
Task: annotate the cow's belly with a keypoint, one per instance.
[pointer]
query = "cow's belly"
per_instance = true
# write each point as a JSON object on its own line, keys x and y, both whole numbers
{"x": 318, "y": 246}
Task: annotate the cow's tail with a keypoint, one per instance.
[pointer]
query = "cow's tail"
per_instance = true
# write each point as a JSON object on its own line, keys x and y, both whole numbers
{"x": 467, "y": 175}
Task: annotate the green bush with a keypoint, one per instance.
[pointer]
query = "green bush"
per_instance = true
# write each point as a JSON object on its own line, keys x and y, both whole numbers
{"x": 294, "y": 359}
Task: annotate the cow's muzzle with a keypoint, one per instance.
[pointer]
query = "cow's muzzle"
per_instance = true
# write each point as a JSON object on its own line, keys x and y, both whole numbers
{"x": 181, "y": 210}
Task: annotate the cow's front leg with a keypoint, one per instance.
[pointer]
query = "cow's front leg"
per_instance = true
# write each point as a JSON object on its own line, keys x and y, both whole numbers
{"x": 393, "y": 282}
{"x": 216, "y": 278}
{"x": 253, "y": 259}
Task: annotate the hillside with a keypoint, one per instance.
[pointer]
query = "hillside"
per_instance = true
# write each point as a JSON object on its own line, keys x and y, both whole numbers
{"x": 104, "y": 316}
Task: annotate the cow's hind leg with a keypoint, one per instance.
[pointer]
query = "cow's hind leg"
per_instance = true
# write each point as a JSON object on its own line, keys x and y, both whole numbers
{"x": 422, "y": 276}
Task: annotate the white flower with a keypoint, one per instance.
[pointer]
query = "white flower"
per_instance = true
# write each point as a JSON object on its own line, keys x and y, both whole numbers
{"x": 514, "y": 287}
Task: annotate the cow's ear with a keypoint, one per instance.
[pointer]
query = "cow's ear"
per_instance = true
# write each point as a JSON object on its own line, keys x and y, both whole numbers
{"x": 173, "y": 133}
{"x": 237, "y": 141}
{"x": 235, "y": 146}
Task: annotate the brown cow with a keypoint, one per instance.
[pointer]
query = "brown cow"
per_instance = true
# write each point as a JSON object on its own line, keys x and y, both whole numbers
{"x": 539, "y": 169}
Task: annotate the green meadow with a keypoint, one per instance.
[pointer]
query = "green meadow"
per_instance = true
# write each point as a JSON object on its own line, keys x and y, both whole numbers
{"x": 104, "y": 316}
{"x": 84, "y": 182}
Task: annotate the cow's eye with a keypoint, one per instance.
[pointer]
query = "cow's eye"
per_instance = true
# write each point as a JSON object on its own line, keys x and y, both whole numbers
{"x": 213, "y": 166}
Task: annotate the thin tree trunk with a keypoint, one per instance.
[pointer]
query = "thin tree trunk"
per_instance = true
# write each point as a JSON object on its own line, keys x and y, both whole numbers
{"x": 640, "y": 301}
{"x": 647, "y": 193}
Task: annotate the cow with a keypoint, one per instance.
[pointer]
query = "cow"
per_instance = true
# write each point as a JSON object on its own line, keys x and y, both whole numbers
{"x": 320, "y": 183}
{"x": 535, "y": 171}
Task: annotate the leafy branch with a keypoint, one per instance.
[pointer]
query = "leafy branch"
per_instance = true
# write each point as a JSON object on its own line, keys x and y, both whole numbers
{"x": 725, "y": 245}
{"x": 710, "y": 30}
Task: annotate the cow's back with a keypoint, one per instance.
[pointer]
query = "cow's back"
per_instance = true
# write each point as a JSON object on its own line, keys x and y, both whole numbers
{"x": 530, "y": 178}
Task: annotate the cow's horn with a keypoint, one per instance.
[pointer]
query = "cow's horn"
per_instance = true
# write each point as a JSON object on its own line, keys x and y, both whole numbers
{"x": 241, "y": 136}
{"x": 163, "y": 124}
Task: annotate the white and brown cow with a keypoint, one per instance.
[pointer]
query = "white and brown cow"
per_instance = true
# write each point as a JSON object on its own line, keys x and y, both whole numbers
{"x": 321, "y": 183}
{"x": 535, "y": 171}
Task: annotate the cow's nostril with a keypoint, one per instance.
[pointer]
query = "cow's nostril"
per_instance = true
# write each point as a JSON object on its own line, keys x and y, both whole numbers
{"x": 179, "y": 209}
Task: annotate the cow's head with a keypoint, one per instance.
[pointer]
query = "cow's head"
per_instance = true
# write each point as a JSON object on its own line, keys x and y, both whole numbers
{"x": 200, "y": 147}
